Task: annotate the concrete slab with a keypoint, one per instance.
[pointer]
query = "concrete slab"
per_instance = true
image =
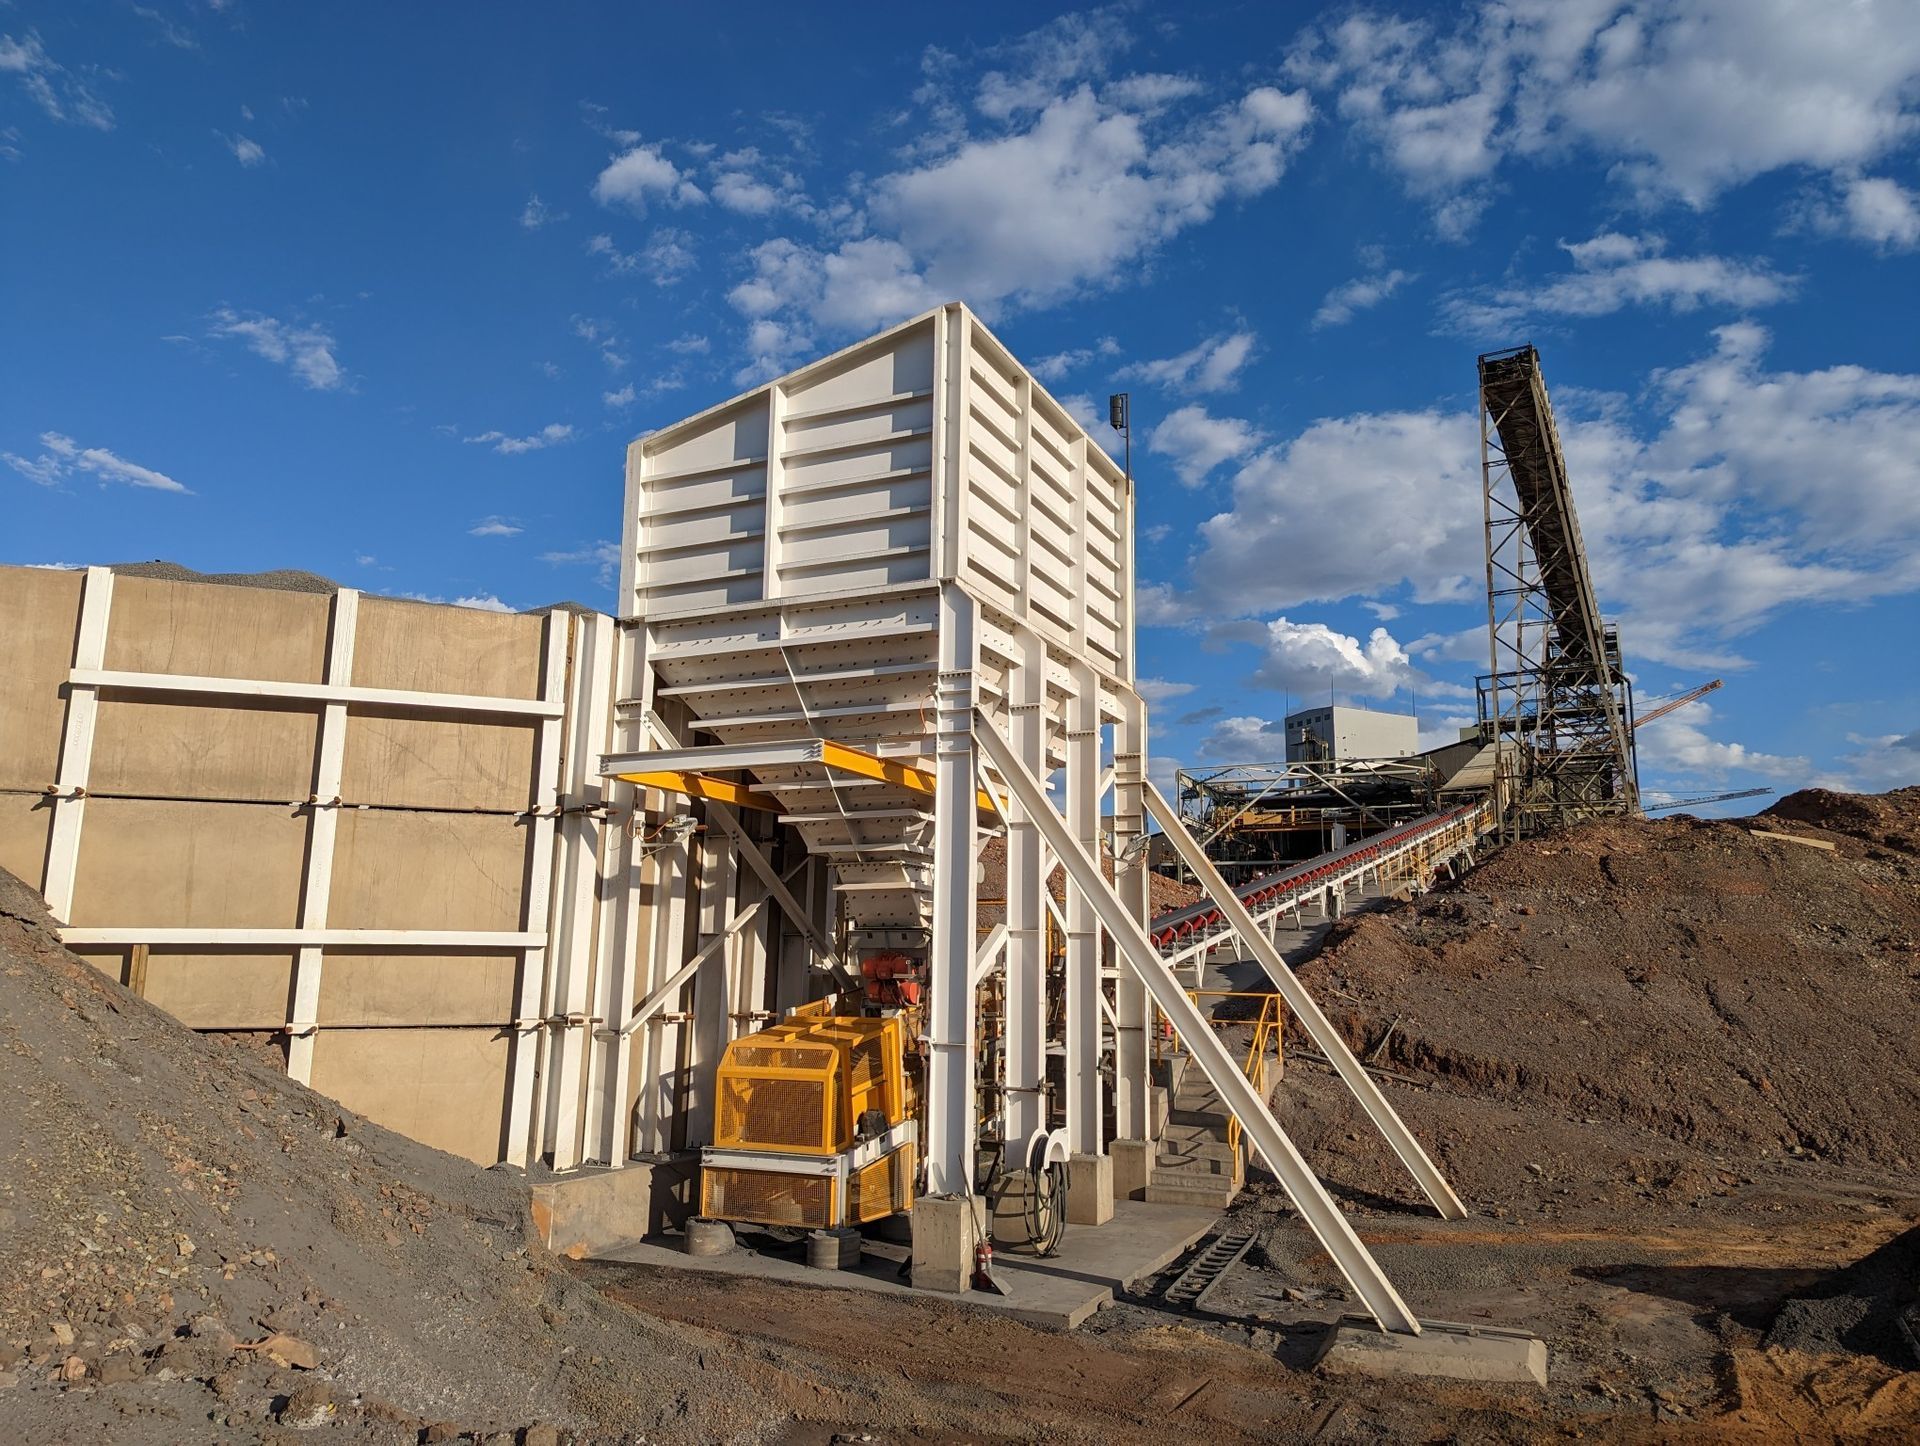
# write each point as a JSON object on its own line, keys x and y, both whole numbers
{"x": 1456, "y": 1352}
{"x": 1059, "y": 1292}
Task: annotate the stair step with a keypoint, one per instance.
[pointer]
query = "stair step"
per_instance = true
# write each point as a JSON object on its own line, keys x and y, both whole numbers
{"x": 1214, "y": 1154}
{"x": 1214, "y": 1194}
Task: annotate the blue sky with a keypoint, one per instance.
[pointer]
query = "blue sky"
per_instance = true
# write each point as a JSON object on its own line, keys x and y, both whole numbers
{"x": 364, "y": 291}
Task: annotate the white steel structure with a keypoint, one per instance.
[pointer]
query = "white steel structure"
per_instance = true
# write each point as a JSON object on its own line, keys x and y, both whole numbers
{"x": 871, "y": 608}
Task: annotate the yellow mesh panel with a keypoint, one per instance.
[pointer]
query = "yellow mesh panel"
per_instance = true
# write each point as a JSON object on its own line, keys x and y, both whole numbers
{"x": 745, "y": 1055}
{"x": 881, "y": 1188}
{"x": 762, "y": 1197}
{"x": 772, "y": 1114}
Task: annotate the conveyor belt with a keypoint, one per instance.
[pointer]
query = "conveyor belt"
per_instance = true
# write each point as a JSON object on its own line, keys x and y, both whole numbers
{"x": 1171, "y": 927}
{"x": 1516, "y": 399}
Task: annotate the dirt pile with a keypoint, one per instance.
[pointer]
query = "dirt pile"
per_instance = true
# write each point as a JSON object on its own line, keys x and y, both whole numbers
{"x": 192, "y": 1247}
{"x": 1747, "y": 997}
{"x": 1891, "y": 820}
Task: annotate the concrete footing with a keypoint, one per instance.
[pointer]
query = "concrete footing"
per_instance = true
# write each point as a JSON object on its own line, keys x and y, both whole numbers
{"x": 597, "y": 1210}
{"x": 1089, "y": 1189}
{"x": 946, "y": 1231}
{"x": 1132, "y": 1164}
{"x": 1456, "y": 1352}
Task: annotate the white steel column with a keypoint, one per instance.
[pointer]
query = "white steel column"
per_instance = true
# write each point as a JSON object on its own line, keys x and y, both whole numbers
{"x": 1085, "y": 1117}
{"x": 951, "y": 1108}
{"x": 537, "y": 892}
{"x": 323, "y": 825}
{"x": 1130, "y": 1084}
{"x": 712, "y": 982}
{"x": 76, "y": 745}
{"x": 1025, "y": 1058}
{"x": 586, "y": 833}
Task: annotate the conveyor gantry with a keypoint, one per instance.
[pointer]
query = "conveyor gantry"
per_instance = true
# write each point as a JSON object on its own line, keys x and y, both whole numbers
{"x": 1557, "y": 698}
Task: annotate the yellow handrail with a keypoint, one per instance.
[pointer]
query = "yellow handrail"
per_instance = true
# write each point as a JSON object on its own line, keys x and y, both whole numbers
{"x": 1268, "y": 1030}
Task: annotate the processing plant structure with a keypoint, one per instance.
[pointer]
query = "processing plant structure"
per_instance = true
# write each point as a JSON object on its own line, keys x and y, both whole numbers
{"x": 869, "y": 611}
{"x": 686, "y": 903}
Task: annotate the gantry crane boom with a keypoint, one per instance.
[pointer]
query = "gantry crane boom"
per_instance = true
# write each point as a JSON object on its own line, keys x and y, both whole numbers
{"x": 1673, "y": 703}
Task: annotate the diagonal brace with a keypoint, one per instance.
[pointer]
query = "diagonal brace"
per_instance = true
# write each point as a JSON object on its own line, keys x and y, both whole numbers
{"x": 1362, "y": 1084}
{"x": 1309, "y": 1196}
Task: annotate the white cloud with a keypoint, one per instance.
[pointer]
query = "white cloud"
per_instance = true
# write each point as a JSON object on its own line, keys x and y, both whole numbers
{"x": 537, "y": 213}
{"x": 61, "y": 457}
{"x": 306, "y": 351}
{"x": 1159, "y": 690}
{"x": 551, "y": 435}
{"x": 601, "y": 335}
{"x": 1057, "y": 366}
{"x": 495, "y": 527}
{"x": 1683, "y": 97}
{"x": 58, "y": 92}
{"x": 641, "y": 174}
{"x": 1678, "y": 746}
{"x": 1874, "y": 209}
{"x": 750, "y": 184}
{"x": 668, "y": 255}
{"x": 1613, "y": 271}
{"x": 175, "y": 35}
{"x": 692, "y": 344}
{"x": 1245, "y": 738}
{"x": 622, "y": 398}
{"x": 1212, "y": 366}
{"x": 603, "y": 557}
{"x": 1756, "y": 491}
{"x": 1311, "y": 657}
{"x": 1883, "y": 761}
{"x": 247, "y": 152}
{"x": 485, "y": 602}
{"x": 1358, "y": 295}
{"x": 1073, "y": 193}
{"x": 1198, "y": 442}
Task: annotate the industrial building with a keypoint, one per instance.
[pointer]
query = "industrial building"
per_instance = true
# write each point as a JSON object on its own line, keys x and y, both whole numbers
{"x": 1340, "y": 732}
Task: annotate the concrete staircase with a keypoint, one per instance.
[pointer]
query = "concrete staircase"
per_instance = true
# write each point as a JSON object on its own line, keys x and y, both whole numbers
{"x": 1193, "y": 1164}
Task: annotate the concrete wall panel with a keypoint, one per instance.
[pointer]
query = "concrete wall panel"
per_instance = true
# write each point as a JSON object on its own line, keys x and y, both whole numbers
{"x": 166, "y": 863}
{"x": 217, "y": 631}
{"x": 413, "y": 988}
{"x": 411, "y": 761}
{"x": 415, "y": 646}
{"x": 395, "y": 870}
{"x": 446, "y": 1087}
{"x": 41, "y": 609}
{"x": 148, "y": 744}
{"x": 24, "y": 821}
{"x": 219, "y": 990}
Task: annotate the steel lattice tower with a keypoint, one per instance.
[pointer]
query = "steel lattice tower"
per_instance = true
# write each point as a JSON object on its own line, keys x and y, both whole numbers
{"x": 1557, "y": 704}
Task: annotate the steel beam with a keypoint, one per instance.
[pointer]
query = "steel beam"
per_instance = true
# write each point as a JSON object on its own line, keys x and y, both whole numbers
{"x": 951, "y": 1107}
{"x": 1362, "y": 1085}
{"x": 1316, "y": 1207}
{"x": 1130, "y": 1082}
{"x": 1085, "y": 1115}
{"x": 1024, "y": 1060}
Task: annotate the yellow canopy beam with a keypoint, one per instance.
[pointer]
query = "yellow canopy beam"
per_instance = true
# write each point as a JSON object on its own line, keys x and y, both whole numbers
{"x": 704, "y": 785}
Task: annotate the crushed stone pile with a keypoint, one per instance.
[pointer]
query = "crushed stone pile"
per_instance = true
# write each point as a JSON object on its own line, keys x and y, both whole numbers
{"x": 1737, "y": 995}
{"x": 193, "y": 1247}
{"x": 1871, "y": 1307}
